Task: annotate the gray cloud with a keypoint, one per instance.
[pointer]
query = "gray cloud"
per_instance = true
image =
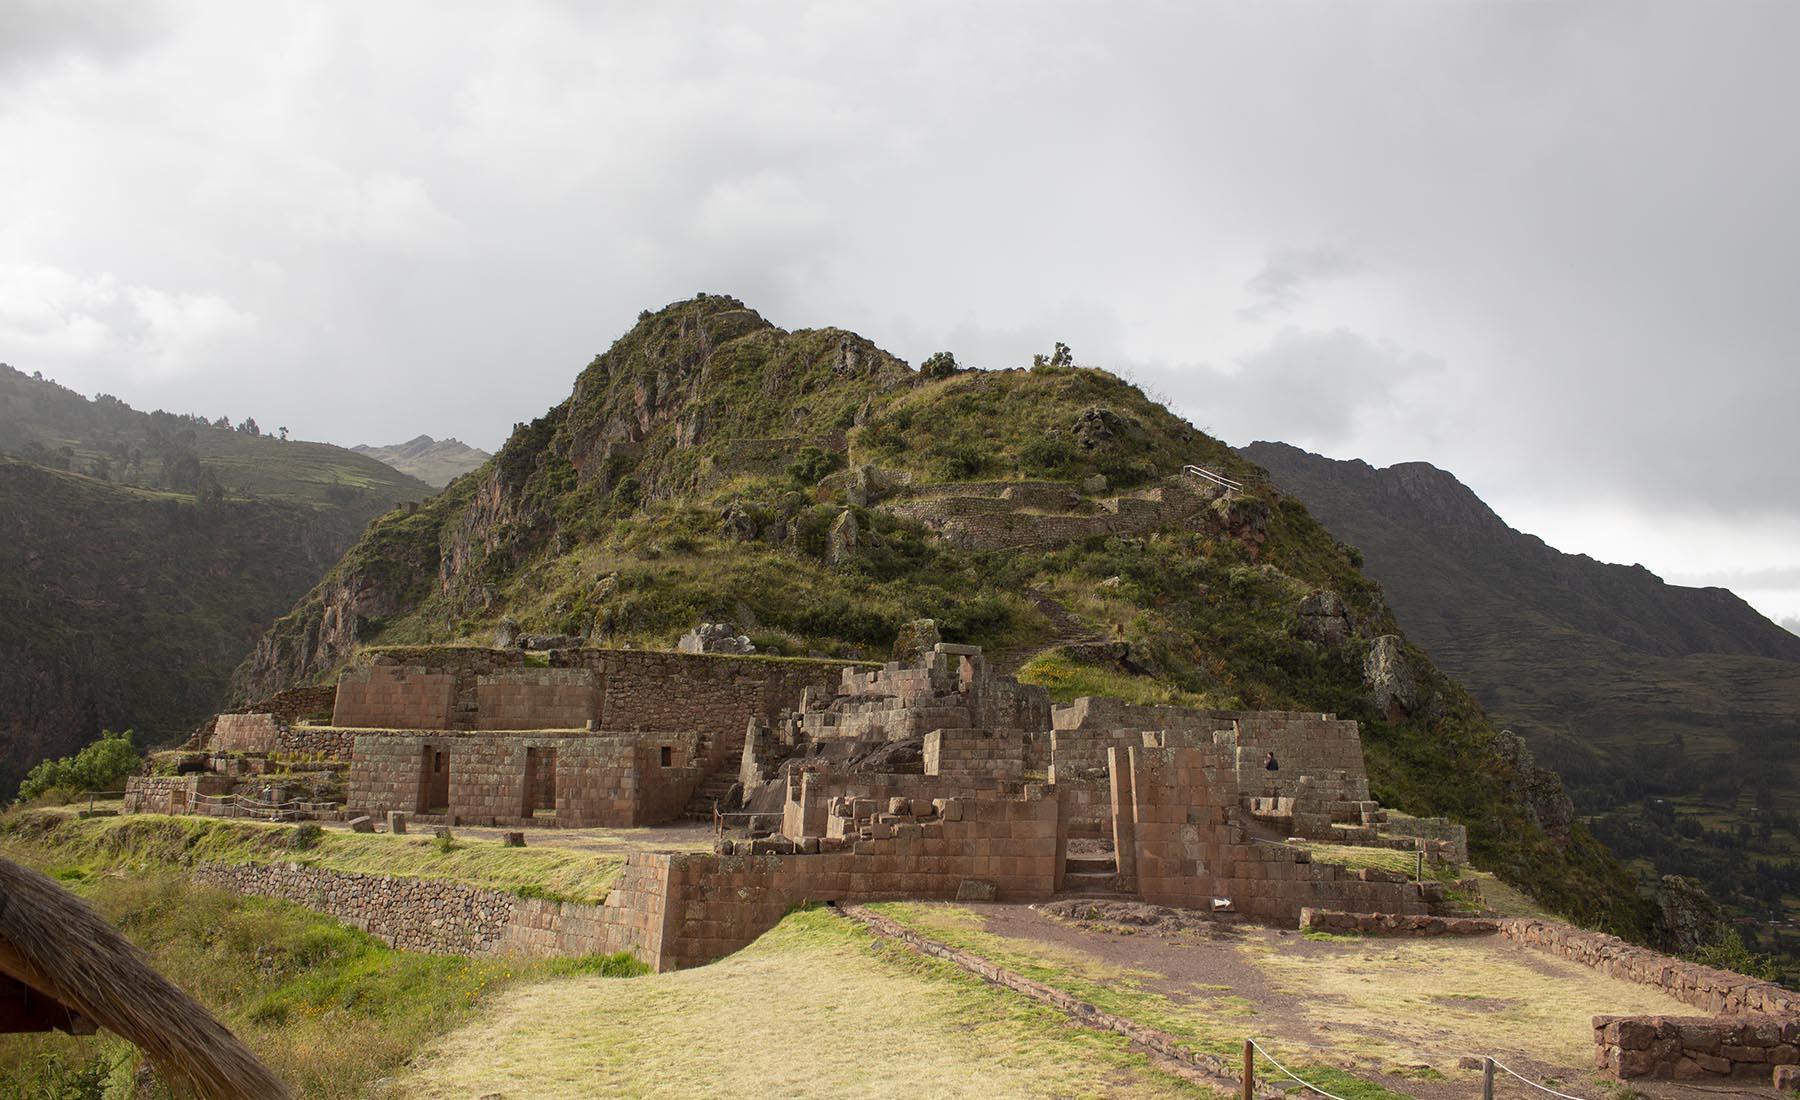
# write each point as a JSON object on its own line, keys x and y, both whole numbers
{"x": 1277, "y": 288}
{"x": 38, "y": 33}
{"x": 1546, "y": 246}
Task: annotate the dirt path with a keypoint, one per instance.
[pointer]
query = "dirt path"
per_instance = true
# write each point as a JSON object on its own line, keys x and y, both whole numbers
{"x": 1399, "y": 1013}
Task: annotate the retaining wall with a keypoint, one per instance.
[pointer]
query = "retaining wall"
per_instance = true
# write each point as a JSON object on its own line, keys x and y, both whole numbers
{"x": 449, "y": 918}
{"x": 1689, "y": 1047}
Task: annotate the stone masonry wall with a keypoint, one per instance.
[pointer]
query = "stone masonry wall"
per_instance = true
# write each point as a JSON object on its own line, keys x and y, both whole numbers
{"x": 1687, "y": 1047}
{"x": 244, "y": 733}
{"x": 536, "y": 699}
{"x": 1703, "y": 987}
{"x": 967, "y": 753}
{"x": 1186, "y": 850}
{"x": 448, "y": 918}
{"x": 394, "y": 697}
{"x": 328, "y": 742}
{"x": 616, "y": 780}
{"x": 719, "y": 904}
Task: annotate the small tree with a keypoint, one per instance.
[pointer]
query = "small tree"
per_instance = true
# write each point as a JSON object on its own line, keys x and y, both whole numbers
{"x": 283, "y": 431}
{"x": 101, "y": 766}
{"x": 940, "y": 365}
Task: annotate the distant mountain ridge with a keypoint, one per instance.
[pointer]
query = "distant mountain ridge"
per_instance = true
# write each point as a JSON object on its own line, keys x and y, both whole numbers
{"x": 1672, "y": 713}
{"x": 143, "y": 552}
{"x": 437, "y": 462}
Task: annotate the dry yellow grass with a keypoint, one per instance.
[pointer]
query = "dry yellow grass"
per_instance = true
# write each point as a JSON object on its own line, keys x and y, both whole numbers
{"x": 815, "y": 1008}
{"x": 1411, "y": 1002}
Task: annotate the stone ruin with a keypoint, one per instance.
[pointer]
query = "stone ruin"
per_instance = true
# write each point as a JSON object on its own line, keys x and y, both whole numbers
{"x": 929, "y": 777}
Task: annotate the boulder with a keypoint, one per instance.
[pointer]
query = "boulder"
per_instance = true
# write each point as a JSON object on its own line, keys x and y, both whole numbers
{"x": 1098, "y": 428}
{"x": 506, "y": 635}
{"x": 715, "y": 638}
{"x": 362, "y": 824}
{"x": 843, "y": 538}
{"x": 737, "y": 525}
{"x": 1687, "y": 919}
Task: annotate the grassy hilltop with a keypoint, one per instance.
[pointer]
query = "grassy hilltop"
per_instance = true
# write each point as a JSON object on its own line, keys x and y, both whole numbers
{"x": 700, "y": 470}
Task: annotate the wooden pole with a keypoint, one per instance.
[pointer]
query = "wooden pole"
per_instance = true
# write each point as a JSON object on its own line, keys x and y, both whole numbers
{"x": 1249, "y": 1092}
{"x": 1487, "y": 1079}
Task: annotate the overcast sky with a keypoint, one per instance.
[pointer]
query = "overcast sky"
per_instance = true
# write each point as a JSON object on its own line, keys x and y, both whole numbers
{"x": 1551, "y": 247}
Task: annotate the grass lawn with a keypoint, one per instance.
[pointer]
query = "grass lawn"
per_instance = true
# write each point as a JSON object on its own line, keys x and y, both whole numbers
{"x": 817, "y": 1007}
{"x": 331, "y": 1010}
{"x": 75, "y": 850}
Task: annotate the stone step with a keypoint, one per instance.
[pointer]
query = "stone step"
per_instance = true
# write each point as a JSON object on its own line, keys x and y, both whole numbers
{"x": 1091, "y": 863}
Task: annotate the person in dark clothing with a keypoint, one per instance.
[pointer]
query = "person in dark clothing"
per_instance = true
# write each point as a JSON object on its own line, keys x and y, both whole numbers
{"x": 1269, "y": 763}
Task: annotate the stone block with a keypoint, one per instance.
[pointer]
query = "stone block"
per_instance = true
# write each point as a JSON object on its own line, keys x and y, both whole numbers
{"x": 362, "y": 824}
{"x": 396, "y": 822}
{"x": 1786, "y": 1078}
{"x": 514, "y": 840}
{"x": 973, "y": 889}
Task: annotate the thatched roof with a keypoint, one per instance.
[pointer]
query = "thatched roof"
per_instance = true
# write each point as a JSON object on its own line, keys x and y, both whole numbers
{"x": 53, "y": 942}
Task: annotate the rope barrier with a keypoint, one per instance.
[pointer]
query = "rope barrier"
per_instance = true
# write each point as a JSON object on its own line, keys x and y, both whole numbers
{"x": 1534, "y": 1084}
{"x": 1291, "y": 1073}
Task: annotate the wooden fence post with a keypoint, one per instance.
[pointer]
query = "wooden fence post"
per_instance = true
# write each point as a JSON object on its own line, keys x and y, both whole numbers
{"x": 1249, "y": 1092}
{"x": 1487, "y": 1079}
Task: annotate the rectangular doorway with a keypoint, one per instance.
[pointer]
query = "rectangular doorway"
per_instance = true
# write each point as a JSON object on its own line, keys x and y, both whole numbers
{"x": 540, "y": 782}
{"x": 434, "y": 779}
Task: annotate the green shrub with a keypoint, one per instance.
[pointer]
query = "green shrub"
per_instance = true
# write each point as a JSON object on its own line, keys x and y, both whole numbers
{"x": 811, "y": 465}
{"x": 1730, "y": 953}
{"x": 305, "y": 836}
{"x": 101, "y": 766}
{"x": 940, "y": 365}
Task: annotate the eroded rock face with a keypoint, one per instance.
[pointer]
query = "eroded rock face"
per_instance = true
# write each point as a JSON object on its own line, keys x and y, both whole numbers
{"x": 737, "y": 524}
{"x": 843, "y": 538}
{"x": 1393, "y": 681}
{"x": 1687, "y": 918}
{"x": 1325, "y": 618}
{"x": 1540, "y": 788}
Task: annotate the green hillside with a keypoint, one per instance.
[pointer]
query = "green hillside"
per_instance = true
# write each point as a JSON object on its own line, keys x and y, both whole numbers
{"x": 704, "y": 468}
{"x": 144, "y": 555}
{"x": 1672, "y": 714}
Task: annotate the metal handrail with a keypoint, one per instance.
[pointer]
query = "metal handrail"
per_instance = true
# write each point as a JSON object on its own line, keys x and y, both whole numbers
{"x": 1216, "y": 478}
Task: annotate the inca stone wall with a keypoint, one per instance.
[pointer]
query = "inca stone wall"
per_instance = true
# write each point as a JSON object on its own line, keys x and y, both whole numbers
{"x": 466, "y": 688}
{"x": 617, "y": 780}
{"x": 974, "y": 753}
{"x": 718, "y": 904}
{"x": 536, "y": 699}
{"x": 1703, "y": 987}
{"x": 328, "y": 742}
{"x": 1175, "y": 840}
{"x": 386, "y": 696}
{"x": 245, "y": 733}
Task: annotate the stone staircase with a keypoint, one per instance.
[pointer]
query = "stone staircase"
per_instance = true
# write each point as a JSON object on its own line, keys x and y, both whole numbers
{"x": 712, "y": 789}
{"x": 1092, "y": 875}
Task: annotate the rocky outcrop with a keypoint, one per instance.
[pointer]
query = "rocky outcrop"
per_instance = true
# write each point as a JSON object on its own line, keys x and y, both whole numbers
{"x": 714, "y": 638}
{"x": 1325, "y": 618}
{"x": 1393, "y": 681}
{"x": 1687, "y": 918}
{"x": 1540, "y": 788}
